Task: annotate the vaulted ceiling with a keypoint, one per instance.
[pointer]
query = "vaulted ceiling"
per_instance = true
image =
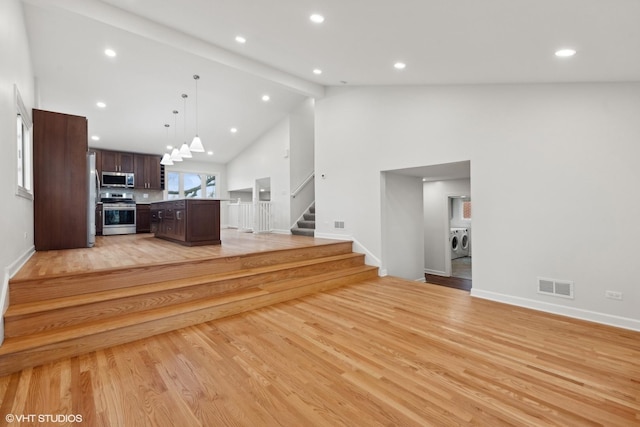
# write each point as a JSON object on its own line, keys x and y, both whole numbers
{"x": 161, "y": 44}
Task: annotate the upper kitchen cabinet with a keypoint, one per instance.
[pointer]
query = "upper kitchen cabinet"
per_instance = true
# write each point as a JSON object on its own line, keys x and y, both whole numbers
{"x": 147, "y": 169}
{"x": 60, "y": 181}
{"x": 114, "y": 161}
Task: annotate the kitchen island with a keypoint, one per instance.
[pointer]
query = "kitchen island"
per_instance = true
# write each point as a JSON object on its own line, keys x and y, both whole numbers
{"x": 189, "y": 222}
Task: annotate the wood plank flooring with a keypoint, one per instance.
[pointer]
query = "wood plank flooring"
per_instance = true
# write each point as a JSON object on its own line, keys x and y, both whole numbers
{"x": 383, "y": 352}
{"x": 140, "y": 249}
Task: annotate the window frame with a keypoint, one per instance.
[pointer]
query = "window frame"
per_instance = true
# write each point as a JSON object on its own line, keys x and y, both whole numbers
{"x": 24, "y": 155}
{"x": 203, "y": 184}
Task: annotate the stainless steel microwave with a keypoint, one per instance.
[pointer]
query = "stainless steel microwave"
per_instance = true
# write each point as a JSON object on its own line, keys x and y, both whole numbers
{"x": 117, "y": 179}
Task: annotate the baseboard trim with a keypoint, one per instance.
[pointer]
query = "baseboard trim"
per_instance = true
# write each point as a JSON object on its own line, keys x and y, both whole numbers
{"x": 576, "y": 313}
{"x": 9, "y": 272}
{"x": 370, "y": 258}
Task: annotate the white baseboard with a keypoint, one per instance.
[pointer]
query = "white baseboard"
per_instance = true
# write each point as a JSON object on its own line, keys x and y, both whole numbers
{"x": 370, "y": 258}
{"x": 278, "y": 231}
{"x": 576, "y": 313}
{"x": 9, "y": 272}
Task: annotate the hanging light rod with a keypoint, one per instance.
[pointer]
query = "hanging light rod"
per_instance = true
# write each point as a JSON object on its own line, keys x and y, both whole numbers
{"x": 196, "y": 143}
{"x": 185, "y": 152}
{"x": 175, "y": 154}
{"x": 166, "y": 159}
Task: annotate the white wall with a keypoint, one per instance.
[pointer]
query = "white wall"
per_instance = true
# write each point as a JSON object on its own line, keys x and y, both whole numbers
{"x": 563, "y": 159}
{"x": 402, "y": 231}
{"x": 265, "y": 158}
{"x": 16, "y": 222}
{"x": 436, "y": 222}
{"x": 301, "y": 156}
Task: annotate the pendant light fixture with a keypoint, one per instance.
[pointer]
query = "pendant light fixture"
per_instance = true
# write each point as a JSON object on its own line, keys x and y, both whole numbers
{"x": 196, "y": 144}
{"x": 175, "y": 154}
{"x": 185, "y": 153}
{"x": 166, "y": 159}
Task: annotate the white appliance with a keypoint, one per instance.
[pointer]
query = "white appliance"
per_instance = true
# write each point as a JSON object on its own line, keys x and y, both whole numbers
{"x": 464, "y": 236}
{"x": 454, "y": 243}
{"x": 93, "y": 186}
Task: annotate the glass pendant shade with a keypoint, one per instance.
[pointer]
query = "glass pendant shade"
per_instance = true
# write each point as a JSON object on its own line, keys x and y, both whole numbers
{"x": 166, "y": 160}
{"x": 185, "y": 153}
{"x": 196, "y": 145}
{"x": 175, "y": 155}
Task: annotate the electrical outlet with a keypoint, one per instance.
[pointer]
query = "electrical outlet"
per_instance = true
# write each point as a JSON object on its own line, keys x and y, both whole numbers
{"x": 613, "y": 295}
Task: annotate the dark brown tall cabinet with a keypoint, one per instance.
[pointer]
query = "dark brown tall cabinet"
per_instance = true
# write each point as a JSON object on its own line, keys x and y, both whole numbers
{"x": 60, "y": 180}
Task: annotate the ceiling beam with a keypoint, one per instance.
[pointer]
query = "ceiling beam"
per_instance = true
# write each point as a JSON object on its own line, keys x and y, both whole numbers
{"x": 144, "y": 27}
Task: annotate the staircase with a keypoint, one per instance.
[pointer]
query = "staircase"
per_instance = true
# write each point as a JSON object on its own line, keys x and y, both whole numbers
{"x": 70, "y": 314}
{"x": 307, "y": 225}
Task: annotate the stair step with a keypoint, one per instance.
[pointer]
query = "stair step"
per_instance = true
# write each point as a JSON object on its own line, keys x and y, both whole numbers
{"x": 19, "y": 352}
{"x": 312, "y": 209}
{"x": 310, "y": 232}
{"x": 38, "y": 316}
{"x": 71, "y": 284}
{"x": 309, "y": 217}
{"x": 307, "y": 224}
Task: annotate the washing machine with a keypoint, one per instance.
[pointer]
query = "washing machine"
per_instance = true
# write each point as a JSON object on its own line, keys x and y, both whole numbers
{"x": 455, "y": 243}
{"x": 464, "y": 236}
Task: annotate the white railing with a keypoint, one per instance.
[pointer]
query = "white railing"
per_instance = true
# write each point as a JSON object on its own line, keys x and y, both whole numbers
{"x": 251, "y": 217}
{"x": 262, "y": 218}
{"x": 304, "y": 183}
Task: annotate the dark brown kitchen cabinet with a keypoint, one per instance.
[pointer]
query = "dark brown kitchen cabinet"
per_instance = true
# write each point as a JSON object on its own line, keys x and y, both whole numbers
{"x": 189, "y": 222}
{"x": 147, "y": 172}
{"x": 60, "y": 181}
{"x": 115, "y": 161}
{"x": 143, "y": 218}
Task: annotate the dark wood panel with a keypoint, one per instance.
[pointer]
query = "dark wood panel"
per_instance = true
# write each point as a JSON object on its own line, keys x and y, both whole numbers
{"x": 60, "y": 180}
{"x": 143, "y": 218}
{"x": 452, "y": 282}
{"x": 188, "y": 221}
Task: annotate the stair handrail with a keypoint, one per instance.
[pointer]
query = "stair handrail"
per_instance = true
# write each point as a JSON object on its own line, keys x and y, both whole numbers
{"x": 304, "y": 183}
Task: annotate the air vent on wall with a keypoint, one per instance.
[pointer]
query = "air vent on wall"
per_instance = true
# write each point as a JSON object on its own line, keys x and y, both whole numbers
{"x": 555, "y": 287}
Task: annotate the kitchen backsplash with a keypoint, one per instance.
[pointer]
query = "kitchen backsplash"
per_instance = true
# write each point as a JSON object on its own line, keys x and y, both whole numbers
{"x": 152, "y": 195}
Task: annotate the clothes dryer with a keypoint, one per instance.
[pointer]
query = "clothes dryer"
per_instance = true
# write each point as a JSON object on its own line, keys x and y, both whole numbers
{"x": 465, "y": 240}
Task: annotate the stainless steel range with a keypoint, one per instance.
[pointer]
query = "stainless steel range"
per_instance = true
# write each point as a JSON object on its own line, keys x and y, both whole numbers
{"x": 118, "y": 214}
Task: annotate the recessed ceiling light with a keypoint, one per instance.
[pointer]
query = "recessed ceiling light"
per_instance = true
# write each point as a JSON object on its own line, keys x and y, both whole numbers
{"x": 565, "y": 53}
{"x": 110, "y": 52}
{"x": 233, "y": 130}
{"x": 317, "y": 18}
{"x": 95, "y": 138}
{"x": 101, "y": 104}
{"x": 210, "y": 153}
{"x": 400, "y": 65}
{"x": 265, "y": 98}
{"x": 317, "y": 71}
{"x": 241, "y": 39}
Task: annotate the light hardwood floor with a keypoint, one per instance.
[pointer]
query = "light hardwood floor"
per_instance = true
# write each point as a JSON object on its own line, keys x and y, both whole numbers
{"x": 142, "y": 249}
{"x": 383, "y": 352}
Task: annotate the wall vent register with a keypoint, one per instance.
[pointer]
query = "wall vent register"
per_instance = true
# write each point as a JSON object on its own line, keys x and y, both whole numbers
{"x": 555, "y": 287}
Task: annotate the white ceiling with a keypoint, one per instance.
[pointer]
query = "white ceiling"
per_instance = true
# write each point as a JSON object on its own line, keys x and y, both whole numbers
{"x": 162, "y": 43}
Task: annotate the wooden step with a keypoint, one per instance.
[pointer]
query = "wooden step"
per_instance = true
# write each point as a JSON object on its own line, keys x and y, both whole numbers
{"x": 38, "y": 316}
{"x": 19, "y": 352}
{"x": 68, "y": 285}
